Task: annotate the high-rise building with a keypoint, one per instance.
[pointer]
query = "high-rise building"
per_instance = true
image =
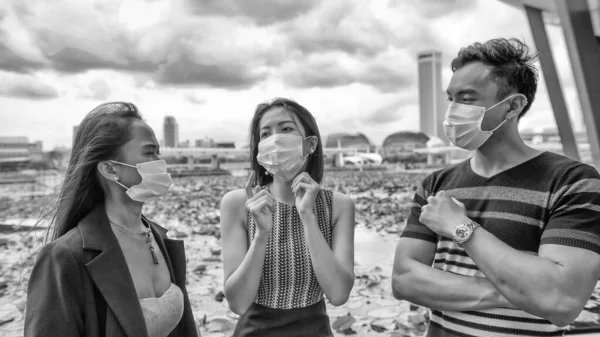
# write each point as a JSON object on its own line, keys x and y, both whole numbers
{"x": 170, "y": 132}
{"x": 432, "y": 102}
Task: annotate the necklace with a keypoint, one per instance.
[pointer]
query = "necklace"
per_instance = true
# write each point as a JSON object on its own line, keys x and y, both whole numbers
{"x": 147, "y": 233}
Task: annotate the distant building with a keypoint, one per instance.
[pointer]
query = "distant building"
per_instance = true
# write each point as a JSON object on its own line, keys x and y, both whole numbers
{"x": 551, "y": 135}
{"x": 432, "y": 100}
{"x": 400, "y": 146}
{"x": 225, "y": 145}
{"x": 170, "y": 132}
{"x": 185, "y": 144}
{"x": 205, "y": 143}
{"x": 14, "y": 149}
{"x": 347, "y": 140}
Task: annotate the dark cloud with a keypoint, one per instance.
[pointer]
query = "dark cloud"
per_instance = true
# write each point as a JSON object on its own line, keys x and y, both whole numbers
{"x": 27, "y": 87}
{"x": 322, "y": 73}
{"x": 180, "y": 52}
{"x": 210, "y": 48}
{"x": 181, "y": 69}
{"x": 387, "y": 76}
{"x": 328, "y": 72}
{"x": 432, "y": 9}
{"x": 337, "y": 28}
{"x": 386, "y": 114}
{"x": 351, "y": 28}
{"x": 73, "y": 60}
{"x": 11, "y": 61}
{"x": 74, "y": 38}
{"x": 264, "y": 12}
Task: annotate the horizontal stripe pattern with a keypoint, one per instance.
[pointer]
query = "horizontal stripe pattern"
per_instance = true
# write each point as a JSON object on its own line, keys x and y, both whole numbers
{"x": 586, "y": 185}
{"x": 548, "y": 200}
{"x": 506, "y": 216}
{"x": 496, "y": 323}
{"x": 501, "y": 193}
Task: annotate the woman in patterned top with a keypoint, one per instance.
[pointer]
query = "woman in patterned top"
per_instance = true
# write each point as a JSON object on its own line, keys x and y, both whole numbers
{"x": 286, "y": 242}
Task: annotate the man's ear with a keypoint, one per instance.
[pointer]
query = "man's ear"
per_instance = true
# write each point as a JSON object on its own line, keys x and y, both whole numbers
{"x": 517, "y": 104}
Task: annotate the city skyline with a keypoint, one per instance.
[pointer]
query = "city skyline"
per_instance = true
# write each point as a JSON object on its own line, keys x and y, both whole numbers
{"x": 357, "y": 74}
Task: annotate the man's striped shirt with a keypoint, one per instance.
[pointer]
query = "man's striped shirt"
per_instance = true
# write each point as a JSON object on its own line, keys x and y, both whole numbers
{"x": 549, "y": 199}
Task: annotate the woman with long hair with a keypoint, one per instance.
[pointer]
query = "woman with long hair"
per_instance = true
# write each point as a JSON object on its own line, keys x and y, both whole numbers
{"x": 110, "y": 271}
{"x": 286, "y": 242}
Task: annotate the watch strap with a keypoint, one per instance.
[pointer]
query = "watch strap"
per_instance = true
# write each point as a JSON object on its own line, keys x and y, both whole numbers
{"x": 472, "y": 225}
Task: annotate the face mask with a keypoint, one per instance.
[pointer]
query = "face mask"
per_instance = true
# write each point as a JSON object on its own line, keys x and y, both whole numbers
{"x": 155, "y": 180}
{"x": 282, "y": 155}
{"x": 463, "y": 124}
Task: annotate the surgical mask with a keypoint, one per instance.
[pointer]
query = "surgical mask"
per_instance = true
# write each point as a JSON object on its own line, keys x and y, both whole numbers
{"x": 155, "y": 180}
{"x": 282, "y": 155}
{"x": 463, "y": 124}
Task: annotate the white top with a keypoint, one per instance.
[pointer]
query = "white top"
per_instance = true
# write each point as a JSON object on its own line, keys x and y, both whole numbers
{"x": 162, "y": 314}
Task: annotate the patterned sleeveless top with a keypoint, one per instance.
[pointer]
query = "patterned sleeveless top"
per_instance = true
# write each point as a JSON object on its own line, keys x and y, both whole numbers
{"x": 288, "y": 279}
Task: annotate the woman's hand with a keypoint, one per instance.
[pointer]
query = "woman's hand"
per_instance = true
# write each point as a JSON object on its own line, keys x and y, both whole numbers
{"x": 261, "y": 206}
{"x": 305, "y": 192}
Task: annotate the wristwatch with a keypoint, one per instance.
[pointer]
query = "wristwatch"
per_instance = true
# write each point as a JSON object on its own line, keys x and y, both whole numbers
{"x": 463, "y": 232}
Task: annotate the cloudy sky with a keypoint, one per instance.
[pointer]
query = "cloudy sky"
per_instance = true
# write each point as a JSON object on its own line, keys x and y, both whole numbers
{"x": 352, "y": 63}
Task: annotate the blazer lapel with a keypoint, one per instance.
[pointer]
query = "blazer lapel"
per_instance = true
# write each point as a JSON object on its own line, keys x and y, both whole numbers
{"x": 160, "y": 235}
{"x": 110, "y": 272}
{"x": 173, "y": 251}
{"x": 177, "y": 253}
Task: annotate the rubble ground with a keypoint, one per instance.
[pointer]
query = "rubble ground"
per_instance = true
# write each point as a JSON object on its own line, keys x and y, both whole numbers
{"x": 191, "y": 213}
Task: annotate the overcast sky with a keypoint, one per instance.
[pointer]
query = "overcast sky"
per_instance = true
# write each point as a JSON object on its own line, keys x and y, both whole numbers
{"x": 208, "y": 63}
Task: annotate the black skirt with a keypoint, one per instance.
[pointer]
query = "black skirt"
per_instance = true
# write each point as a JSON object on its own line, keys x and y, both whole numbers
{"x": 261, "y": 321}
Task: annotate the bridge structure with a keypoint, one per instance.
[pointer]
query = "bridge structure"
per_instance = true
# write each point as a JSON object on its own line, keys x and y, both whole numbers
{"x": 579, "y": 21}
{"x": 218, "y": 155}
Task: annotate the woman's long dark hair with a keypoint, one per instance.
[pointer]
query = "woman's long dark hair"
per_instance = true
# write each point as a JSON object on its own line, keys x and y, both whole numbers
{"x": 99, "y": 137}
{"x": 314, "y": 165}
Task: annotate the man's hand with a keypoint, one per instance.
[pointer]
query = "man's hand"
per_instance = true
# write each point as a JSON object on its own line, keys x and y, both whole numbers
{"x": 442, "y": 214}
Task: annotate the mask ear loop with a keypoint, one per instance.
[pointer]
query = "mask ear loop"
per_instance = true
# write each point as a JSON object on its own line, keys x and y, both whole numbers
{"x": 502, "y": 101}
{"x": 116, "y": 179}
{"x": 498, "y": 127}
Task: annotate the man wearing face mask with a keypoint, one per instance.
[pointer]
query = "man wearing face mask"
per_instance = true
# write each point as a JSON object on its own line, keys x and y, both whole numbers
{"x": 505, "y": 243}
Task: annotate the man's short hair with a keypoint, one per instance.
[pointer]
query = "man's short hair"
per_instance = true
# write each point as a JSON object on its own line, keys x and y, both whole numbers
{"x": 511, "y": 66}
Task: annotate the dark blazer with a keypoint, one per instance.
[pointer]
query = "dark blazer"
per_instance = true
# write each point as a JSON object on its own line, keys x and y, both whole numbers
{"x": 81, "y": 286}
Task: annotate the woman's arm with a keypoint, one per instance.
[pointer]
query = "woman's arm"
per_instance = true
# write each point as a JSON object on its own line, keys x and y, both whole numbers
{"x": 55, "y": 303}
{"x": 243, "y": 265}
{"x": 334, "y": 267}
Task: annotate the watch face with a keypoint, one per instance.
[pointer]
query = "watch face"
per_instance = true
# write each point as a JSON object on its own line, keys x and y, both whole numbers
{"x": 462, "y": 232}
